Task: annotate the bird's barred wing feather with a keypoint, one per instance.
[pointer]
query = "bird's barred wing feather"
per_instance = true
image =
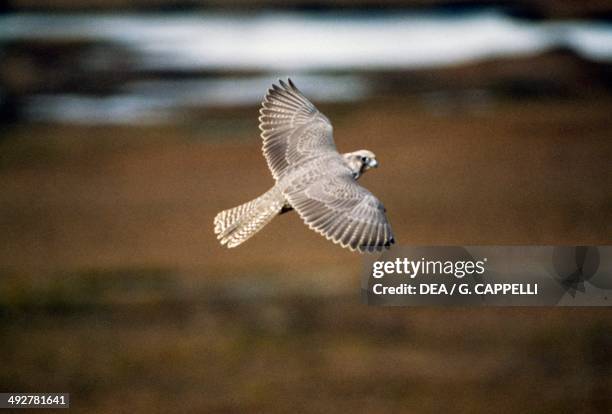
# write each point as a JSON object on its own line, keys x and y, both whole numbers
{"x": 292, "y": 129}
{"x": 344, "y": 212}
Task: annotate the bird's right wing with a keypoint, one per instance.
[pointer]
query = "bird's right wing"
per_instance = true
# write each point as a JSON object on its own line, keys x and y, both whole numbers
{"x": 344, "y": 212}
{"x": 292, "y": 129}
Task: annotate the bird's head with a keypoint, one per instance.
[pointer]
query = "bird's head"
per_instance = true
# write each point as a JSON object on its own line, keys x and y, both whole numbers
{"x": 360, "y": 161}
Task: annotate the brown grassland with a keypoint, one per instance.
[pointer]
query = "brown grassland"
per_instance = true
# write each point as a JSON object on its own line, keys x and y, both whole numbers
{"x": 115, "y": 289}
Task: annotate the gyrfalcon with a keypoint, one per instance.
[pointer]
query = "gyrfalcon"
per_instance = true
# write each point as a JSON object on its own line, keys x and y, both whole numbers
{"x": 311, "y": 177}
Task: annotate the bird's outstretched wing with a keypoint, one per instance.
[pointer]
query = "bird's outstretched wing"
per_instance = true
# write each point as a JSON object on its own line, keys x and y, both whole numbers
{"x": 292, "y": 128}
{"x": 346, "y": 213}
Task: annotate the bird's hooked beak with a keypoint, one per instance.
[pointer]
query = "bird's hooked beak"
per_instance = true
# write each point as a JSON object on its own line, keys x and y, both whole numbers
{"x": 372, "y": 163}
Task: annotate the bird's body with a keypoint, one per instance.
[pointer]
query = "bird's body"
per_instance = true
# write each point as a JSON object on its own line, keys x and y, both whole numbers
{"x": 311, "y": 177}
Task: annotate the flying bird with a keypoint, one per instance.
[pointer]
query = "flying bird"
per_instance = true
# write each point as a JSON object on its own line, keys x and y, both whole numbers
{"x": 311, "y": 177}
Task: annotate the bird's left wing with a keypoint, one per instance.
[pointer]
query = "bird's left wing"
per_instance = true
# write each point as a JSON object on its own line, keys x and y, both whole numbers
{"x": 292, "y": 129}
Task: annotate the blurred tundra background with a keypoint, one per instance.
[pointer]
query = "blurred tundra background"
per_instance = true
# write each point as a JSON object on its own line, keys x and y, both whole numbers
{"x": 125, "y": 126}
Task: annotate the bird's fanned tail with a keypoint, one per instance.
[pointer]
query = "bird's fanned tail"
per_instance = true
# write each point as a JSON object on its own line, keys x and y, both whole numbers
{"x": 236, "y": 225}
